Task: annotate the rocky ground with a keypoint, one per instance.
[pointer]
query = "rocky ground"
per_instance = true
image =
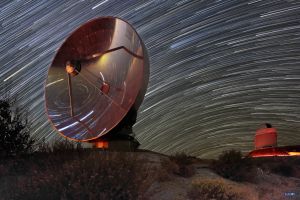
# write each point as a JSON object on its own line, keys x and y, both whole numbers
{"x": 268, "y": 186}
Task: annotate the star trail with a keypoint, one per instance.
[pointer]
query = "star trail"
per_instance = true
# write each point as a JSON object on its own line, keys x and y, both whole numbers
{"x": 218, "y": 69}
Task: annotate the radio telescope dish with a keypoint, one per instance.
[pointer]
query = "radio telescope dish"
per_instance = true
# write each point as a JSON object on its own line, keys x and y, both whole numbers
{"x": 98, "y": 75}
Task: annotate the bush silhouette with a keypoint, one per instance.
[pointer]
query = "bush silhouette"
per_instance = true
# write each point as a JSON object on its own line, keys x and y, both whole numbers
{"x": 184, "y": 162}
{"x": 14, "y": 130}
{"x": 232, "y": 165}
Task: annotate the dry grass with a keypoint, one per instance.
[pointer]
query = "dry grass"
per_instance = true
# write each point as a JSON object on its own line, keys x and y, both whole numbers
{"x": 219, "y": 189}
{"x": 66, "y": 171}
{"x": 58, "y": 146}
{"x": 75, "y": 175}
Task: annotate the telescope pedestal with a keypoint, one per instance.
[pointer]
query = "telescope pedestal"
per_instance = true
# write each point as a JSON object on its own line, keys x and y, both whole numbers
{"x": 121, "y": 137}
{"x": 116, "y": 143}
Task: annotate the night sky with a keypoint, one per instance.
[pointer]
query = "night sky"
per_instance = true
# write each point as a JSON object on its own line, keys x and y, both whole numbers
{"x": 218, "y": 69}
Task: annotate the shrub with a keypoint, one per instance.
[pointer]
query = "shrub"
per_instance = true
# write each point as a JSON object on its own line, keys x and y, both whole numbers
{"x": 182, "y": 159}
{"x": 284, "y": 166}
{"x": 43, "y": 147}
{"x": 208, "y": 189}
{"x": 283, "y": 169}
{"x": 14, "y": 130}
{"x": 58, "y": 146}
{"x": 166, "y": 170}
{"x": 233, "y": 166}
{"x": 184, "y": 162}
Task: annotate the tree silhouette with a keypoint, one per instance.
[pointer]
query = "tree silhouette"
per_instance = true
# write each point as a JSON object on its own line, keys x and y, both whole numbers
{"x": 14, "y": 129}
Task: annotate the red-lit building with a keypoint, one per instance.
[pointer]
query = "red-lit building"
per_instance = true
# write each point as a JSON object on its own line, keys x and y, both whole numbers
{"x": 265, "y": 137}
{"x": 265, "y": 143}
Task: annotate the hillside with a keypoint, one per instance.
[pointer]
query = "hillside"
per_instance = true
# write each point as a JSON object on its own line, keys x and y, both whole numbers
{"x": 93, "y": 174}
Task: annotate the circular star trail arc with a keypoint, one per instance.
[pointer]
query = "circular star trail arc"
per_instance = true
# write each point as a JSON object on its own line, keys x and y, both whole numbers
{"x": 219, "y": 69}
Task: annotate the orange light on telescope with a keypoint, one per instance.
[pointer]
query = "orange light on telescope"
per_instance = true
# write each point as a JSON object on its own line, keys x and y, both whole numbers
{"x": 101, "y": 144}
{"x": 70, "y": 68}
{"x": 105, "y": 88}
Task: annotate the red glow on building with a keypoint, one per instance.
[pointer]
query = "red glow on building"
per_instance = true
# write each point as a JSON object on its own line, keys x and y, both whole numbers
{"x": 266, "y": 144}
{"x": 265, "y": 137}
{"x": 276, "y": 151}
